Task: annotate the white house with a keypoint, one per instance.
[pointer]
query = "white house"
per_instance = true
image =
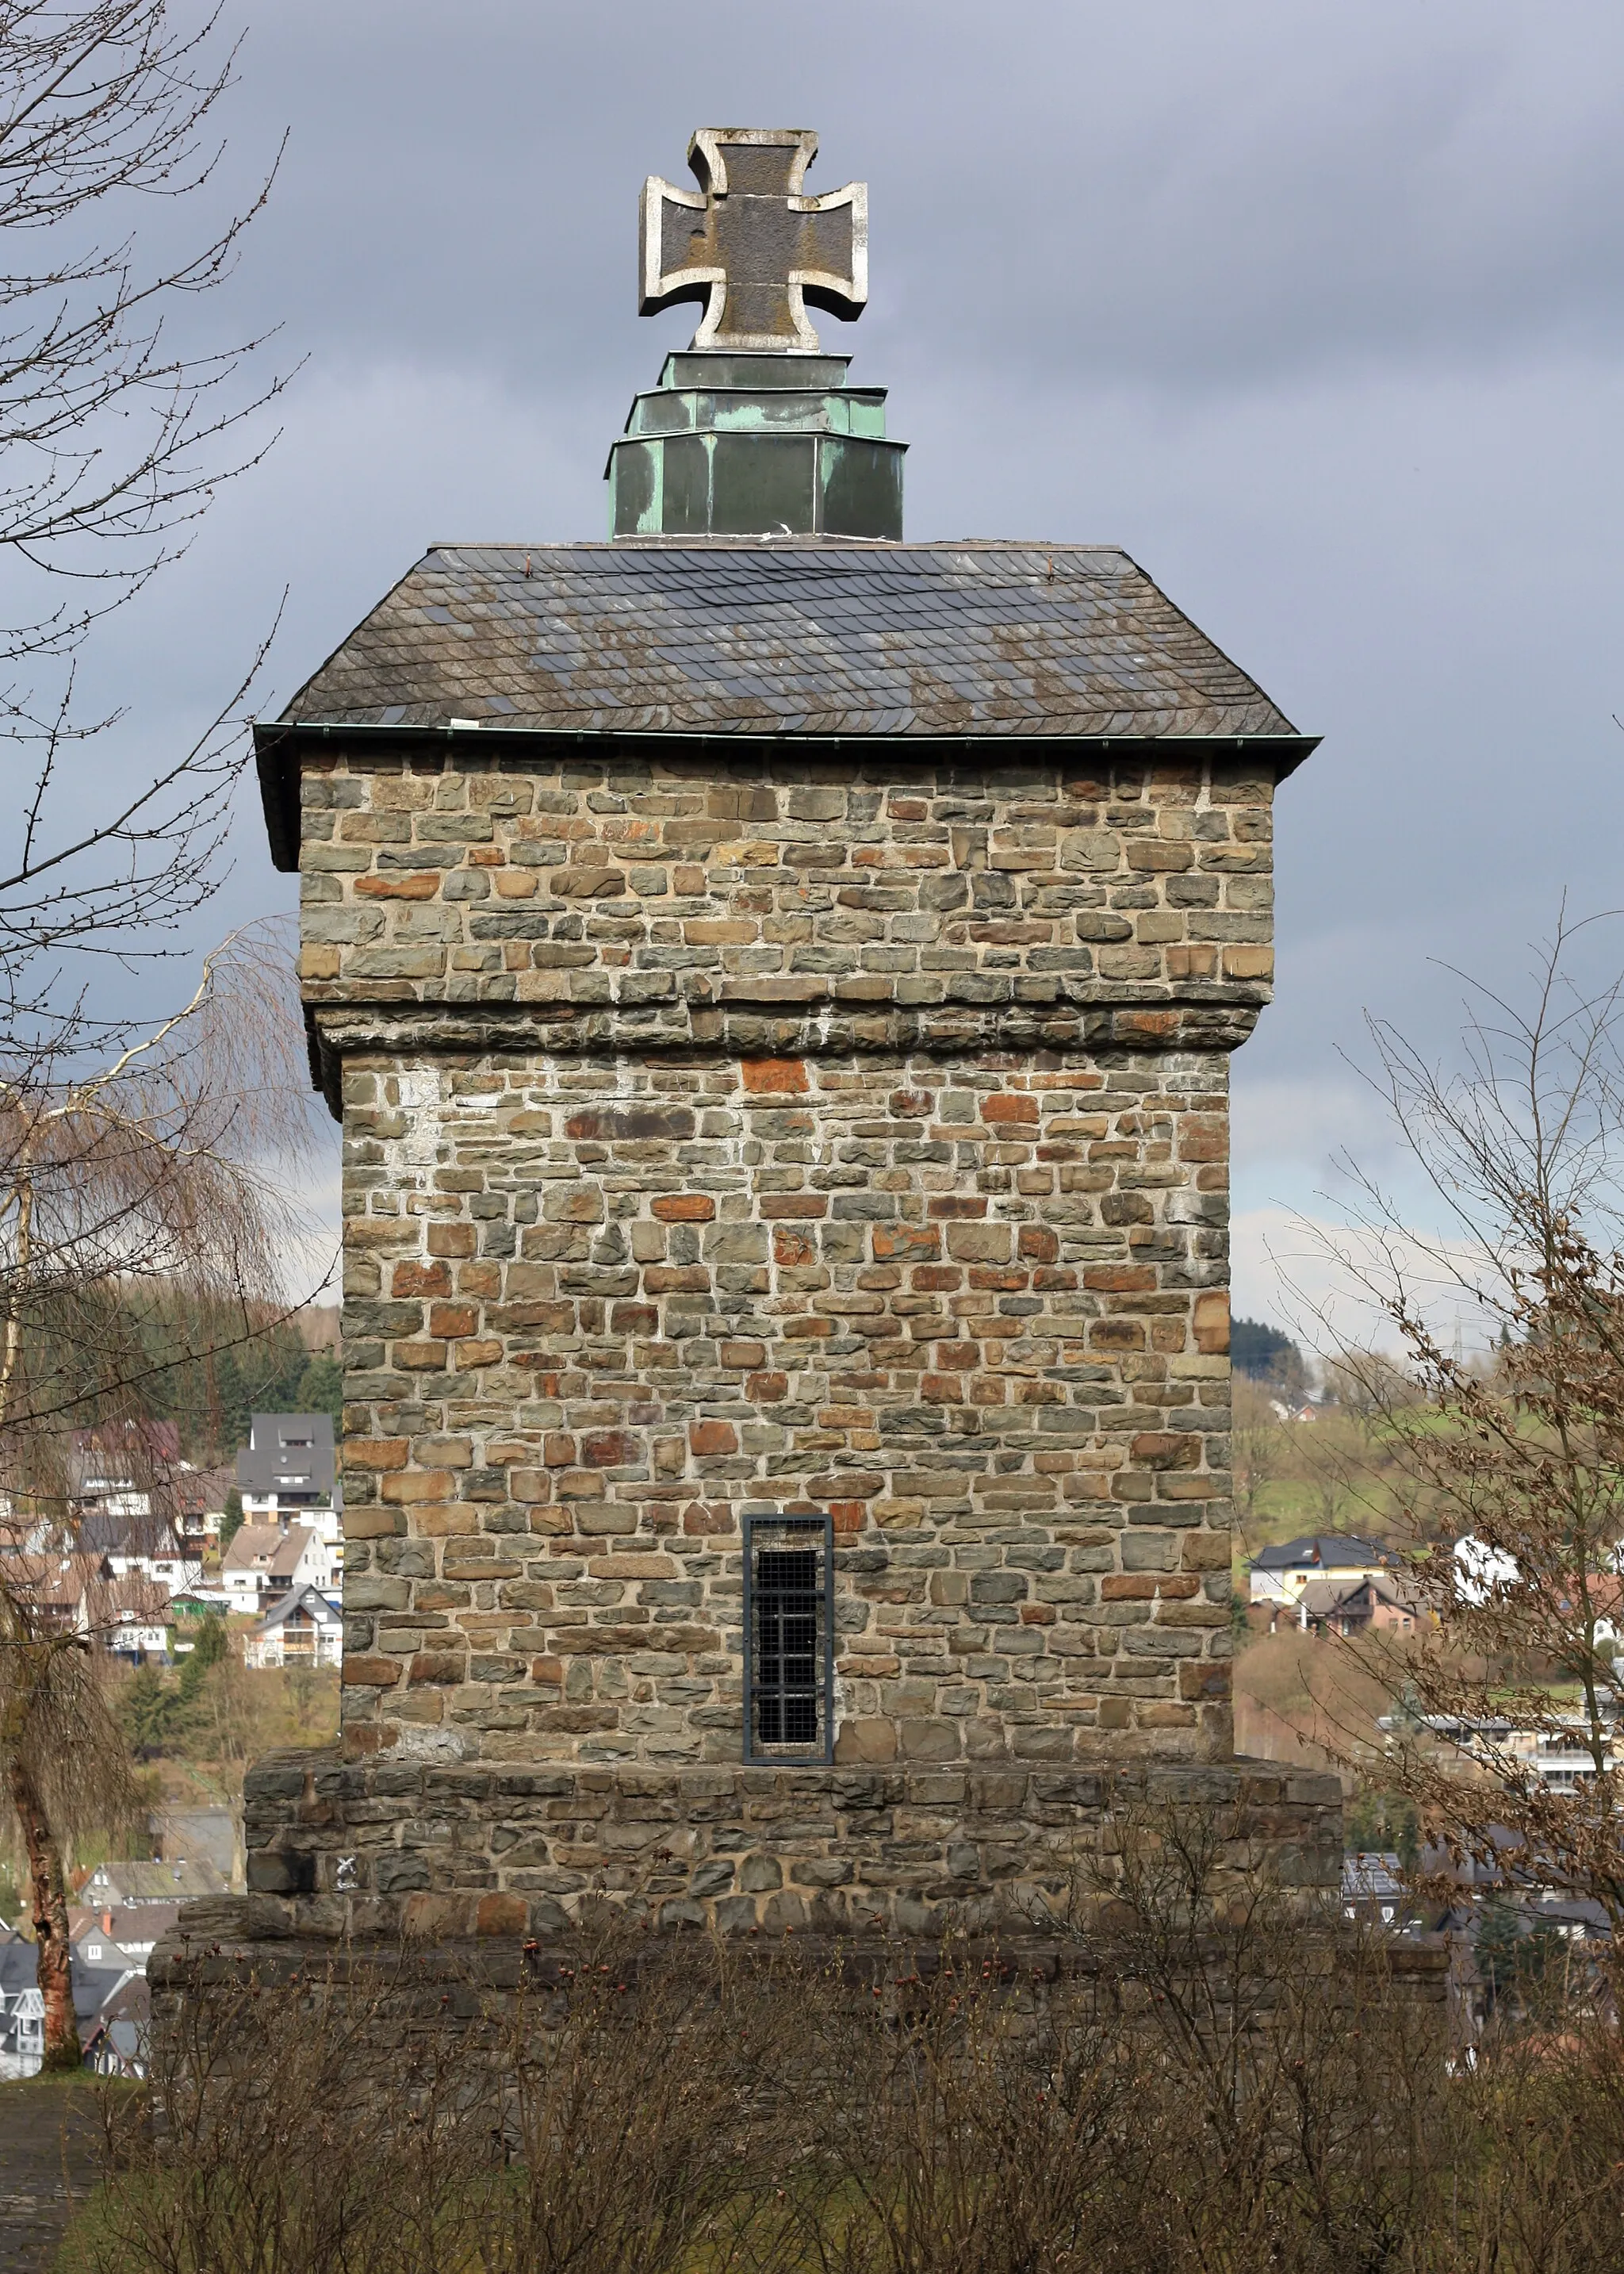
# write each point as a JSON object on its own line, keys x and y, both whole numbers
{"x": 266, "y": 1561}
{"x": 301, "y": 1628}
{"x": 135, "y": 1618}
{"x": 140, "y": 1545}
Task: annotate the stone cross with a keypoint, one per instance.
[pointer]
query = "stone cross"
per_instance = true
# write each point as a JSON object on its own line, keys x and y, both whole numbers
{"x": 749, "y": 245}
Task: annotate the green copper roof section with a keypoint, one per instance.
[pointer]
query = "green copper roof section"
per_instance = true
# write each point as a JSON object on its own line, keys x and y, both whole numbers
{"x": 735, "y": 445}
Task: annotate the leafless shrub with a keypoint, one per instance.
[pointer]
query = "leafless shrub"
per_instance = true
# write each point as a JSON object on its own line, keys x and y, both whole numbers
{"x": 1195, "y": 2077}
{"x": 1504, "y": 1482}
{"x": 412, "y": 2118}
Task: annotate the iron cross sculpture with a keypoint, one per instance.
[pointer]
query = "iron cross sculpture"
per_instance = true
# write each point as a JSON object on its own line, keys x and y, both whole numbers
{"x": 749, "y": 245}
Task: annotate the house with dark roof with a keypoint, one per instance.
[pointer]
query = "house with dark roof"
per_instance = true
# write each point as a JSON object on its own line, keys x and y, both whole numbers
{"x": 22, "y": 2006}
{"x": 200, "y": 1507}
{"x": 114, "y": 1931}
{"x": 1373, "y": 1891}
{"x": 127, "y": 1884}
{"x": 1381, "y": 1604}
{"x": 302, "y": 1628}
{"x": 116, "y": 2043}
{"x": 1278, "y": 1574}
{"x": 140, "y": 1543}
{"x": 288, "y": 1468}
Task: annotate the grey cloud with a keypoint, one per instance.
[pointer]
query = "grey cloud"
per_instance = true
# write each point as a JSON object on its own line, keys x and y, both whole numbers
{"x": 1175, "y": 193}
{"x": 1314, "y": 309}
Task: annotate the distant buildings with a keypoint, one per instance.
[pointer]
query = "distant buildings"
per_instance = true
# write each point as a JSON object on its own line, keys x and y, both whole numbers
{"x": 134, "y": 1884}
{"x": 122, "y": 1910}
{"x": 101, "y": 1994}
{"x": 77, "y": 1593}
{"x": 1557, "y": 1757}
{"x": 303, "y": 1628}
{"x": 266, "y": 1561}
{"x": 1361, "y": 1605}
{"x": 1373, "y": 1888}
{"x": 1280, "y": 1575}
{"x": 287, "y": 1472}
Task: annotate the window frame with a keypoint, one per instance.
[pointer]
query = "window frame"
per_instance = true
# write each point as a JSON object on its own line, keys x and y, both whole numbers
{"x": 818, "y": 1526}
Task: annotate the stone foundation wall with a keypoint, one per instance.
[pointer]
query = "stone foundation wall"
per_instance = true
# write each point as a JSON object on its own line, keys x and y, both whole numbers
{"x": 375, "y": 1851}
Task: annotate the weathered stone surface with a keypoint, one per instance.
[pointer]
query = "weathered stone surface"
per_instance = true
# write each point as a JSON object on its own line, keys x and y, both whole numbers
{"x": 954, "y": 1299}
{"x": 791, "y": 1136}
{"x": 906, "y": 1848}
{"x": 666, "y": 887}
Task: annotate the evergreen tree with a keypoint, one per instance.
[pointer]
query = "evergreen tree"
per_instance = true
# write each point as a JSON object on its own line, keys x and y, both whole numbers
{"x": 321, "y": 1389}
{"x": 208, "y": 1649}
{"x": 148, "y": 1711}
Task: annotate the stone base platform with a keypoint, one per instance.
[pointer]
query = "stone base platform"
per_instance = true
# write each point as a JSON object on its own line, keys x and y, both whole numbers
{"x": 370, "y": 1851}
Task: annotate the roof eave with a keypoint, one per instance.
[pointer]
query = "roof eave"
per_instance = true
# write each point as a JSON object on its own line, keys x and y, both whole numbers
{"x": 279, "y": 745}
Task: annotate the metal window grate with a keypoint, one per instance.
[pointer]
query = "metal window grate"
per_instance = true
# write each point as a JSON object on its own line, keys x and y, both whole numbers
{"x": 789, "y": 1637}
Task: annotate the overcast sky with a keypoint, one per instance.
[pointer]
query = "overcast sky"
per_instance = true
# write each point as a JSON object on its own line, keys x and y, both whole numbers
{"x": 1318, "y": 311}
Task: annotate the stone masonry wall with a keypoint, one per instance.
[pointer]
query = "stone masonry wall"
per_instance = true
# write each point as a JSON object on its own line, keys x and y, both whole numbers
{"x": 731, "y": 1135}
{"x": 661, "y": 890}
{"x": 370, "y": 1850}
{"x": 595, "y": 1311}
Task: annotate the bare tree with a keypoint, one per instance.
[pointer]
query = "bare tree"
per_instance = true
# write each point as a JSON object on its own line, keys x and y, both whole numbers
{"x": 114, "y": 436}
{"x": 66, "y": 1772}
{"x": 139, "y": 1166}
{"x": 1508, "y": 1482}
{"x": 165, "y": 1170}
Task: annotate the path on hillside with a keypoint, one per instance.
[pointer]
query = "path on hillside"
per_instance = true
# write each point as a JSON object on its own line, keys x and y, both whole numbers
{"x": 34, "y": 2203}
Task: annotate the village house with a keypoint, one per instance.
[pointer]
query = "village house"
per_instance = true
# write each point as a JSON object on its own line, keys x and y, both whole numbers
{"x": 126, "y": 1885}
{"x": 1561, "y": 1757}
{"x": 200, "y": 1509}
{"x": 92, "y": 1945}
{"x": 1373, "y": 1888}
{"x": 144, "y": 1545}
{"x": 134, "y": 1620}
{"x": 64, "y": 1592}
{"x": 287, "y": 1470}
{"x": 301, "y": 1629}
{"x": 1361, "y": 1605}
{"x": 124, "y": 1468}
{"x": 131, "y": 1929}
{"x": 267, "y": 1560}
{"x": 1280, "y": 1574}
{"x": 78, "y": 1594}
{"x": 22, "y": 2008}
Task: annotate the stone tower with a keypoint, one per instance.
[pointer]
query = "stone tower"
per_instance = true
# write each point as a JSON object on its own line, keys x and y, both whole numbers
{"x": 777, "y": 983}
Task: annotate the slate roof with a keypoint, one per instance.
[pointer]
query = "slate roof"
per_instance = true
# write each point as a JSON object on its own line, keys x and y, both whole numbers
{"x": 302, "y": 1602}
{"x": 1372, "y": 1872}
{"x": 1322, "y": 1599}
{"x": 1327, "y": 1551}
{"x": 288, "y": 1454}
{"x": 93, "y": 1985}
{"x": 796, "y": 637}
{"x": 179, "y": 1881}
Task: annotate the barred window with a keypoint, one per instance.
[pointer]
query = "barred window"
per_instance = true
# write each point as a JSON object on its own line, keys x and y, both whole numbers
{"x": 789, "y": 1637}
